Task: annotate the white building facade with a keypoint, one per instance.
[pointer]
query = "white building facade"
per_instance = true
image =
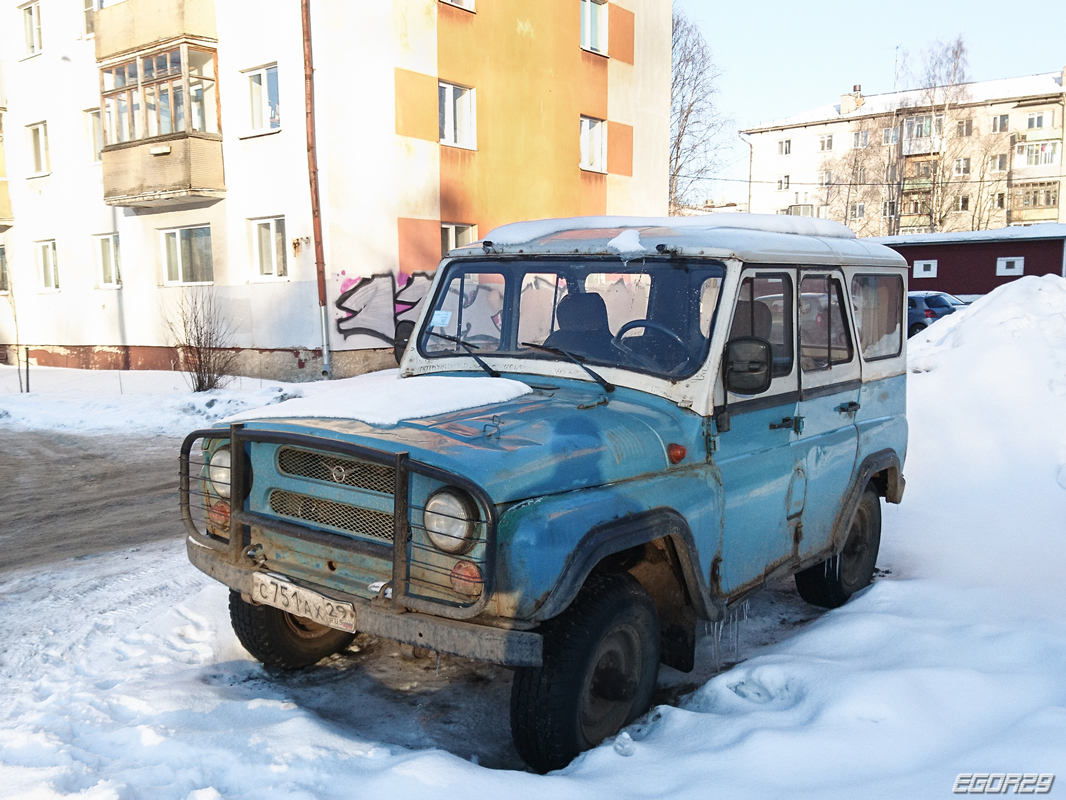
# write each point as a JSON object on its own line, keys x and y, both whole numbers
{"x": 967, "y": 157}
{"x": 156, "y": 149}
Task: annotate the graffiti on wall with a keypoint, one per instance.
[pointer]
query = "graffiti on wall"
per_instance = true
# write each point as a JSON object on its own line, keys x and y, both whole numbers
{"x": 374, "y": 306}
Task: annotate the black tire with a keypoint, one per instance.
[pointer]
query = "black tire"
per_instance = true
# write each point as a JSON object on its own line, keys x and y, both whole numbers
{"x": 280, "y": 639}
{"x": 915, "y": 329}
{"x": 836, "y": 579}
{"x": 601, "y": 661}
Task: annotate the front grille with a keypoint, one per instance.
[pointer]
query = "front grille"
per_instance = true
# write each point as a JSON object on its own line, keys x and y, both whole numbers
{"x": 362, "y": 521}
{"x": 334, "y": 469}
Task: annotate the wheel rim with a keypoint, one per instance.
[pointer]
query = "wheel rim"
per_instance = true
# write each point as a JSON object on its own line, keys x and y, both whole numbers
{"x": 304, "y": 628}
{"x": 611, "y": 684}
{"x": 856, "y": 549}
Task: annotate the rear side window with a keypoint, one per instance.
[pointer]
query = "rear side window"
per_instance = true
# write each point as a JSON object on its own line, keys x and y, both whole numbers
{"x": 878, "y": 304}
{"x": 936, "y": 301}
{"x": 764, "y": 311}
{"x": 824, "y": 336}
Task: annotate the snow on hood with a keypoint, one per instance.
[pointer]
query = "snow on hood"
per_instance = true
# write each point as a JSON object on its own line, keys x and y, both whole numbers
{"x": 383, "y": 398}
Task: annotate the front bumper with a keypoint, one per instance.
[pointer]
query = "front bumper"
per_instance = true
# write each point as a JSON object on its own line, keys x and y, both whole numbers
{"x": 461, "y": 638}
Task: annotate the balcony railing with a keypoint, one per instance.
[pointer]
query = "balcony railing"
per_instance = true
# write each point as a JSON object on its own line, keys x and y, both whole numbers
{"x": 182, "y": 169}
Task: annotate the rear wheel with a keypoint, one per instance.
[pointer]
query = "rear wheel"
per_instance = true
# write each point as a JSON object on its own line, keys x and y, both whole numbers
{"x": 601, "y": 659}
{"x": 832, "y": 582}
{"x": 280, "y": 639}
{"x": 915, "y": 329}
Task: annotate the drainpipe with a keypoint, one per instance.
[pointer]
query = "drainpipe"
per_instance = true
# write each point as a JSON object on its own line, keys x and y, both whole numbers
{"x": 746, "y": 138}
{"x": 312, "y": 171}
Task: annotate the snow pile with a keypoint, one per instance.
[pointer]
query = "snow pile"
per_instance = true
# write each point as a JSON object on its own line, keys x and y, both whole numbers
{"x": 381, "y": 398}
{"x": 122, "y": 679}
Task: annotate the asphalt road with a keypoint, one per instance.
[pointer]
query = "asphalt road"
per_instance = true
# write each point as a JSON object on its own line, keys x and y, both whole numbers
{"x": 63, "y": 496}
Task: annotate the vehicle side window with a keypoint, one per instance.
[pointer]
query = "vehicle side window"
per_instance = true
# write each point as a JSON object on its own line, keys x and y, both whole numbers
{"x": 764, "y": 310}
{"x": 877, "y": 301}
{"x": 824, "y": 336}
{"x": 912, "y": 303}
{"x": 936, "y": 301}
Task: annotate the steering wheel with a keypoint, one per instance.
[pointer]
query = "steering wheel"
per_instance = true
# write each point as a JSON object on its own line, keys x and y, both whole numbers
{"x": 648, "y": 323}
{"x": 644, "y": 360}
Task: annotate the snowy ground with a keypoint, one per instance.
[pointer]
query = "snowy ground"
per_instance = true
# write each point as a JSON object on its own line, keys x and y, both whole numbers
{"x": 122, "y": 679}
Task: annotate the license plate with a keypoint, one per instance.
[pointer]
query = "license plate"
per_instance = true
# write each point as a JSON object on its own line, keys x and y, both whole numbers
{"x": 303, "y": 602}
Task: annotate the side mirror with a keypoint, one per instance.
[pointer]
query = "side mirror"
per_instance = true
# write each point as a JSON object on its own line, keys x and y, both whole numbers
{"x": 747, "y": 365}
{"x": 404, "y": 329}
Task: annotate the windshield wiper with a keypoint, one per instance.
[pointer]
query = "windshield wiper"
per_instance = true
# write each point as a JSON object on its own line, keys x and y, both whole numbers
{"x": 470, "y": 348}
{"x": 607, "y": 386}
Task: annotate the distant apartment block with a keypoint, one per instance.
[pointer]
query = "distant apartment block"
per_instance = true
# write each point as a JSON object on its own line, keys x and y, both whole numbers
{"x": 159, "y": 148}
{"x": 969, "y": 157}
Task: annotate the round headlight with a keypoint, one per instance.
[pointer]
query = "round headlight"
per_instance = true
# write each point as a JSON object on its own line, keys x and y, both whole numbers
{"x": 450, "y": 521}
{"x": 218, "y": 471}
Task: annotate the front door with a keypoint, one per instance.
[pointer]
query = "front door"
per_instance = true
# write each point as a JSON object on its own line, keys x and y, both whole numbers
{"x": 761, "y": 472}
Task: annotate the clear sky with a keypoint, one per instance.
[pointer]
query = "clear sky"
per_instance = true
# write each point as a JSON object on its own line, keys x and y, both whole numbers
{"x": 780, "y": 58}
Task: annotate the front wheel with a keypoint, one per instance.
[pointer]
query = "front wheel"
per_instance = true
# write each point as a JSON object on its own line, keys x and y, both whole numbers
{"x": 280, "y": 639}
{"x": 832, "y": 582}
{"x": 601, "y": 660}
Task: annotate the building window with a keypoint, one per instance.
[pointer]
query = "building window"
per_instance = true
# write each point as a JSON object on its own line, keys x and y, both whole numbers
{"x": 187, "y": 255}
{"x": 96, "y": 133}
{"x": 782, "y": 183}
{"x": 1036, "y": 119}
{"x": 107, "y": 261}
{"x": 888, "y": 208}
{"x": 964, "y": 128}
{"x": 31, "y": 26}
{"x": 825, "y": 142}
{"x": 924, "y": 269}
{"x": 1038, "y": 153}
{"x": 270, "y": 252}
{"x": 859, "y": 139}
{"x": 263, "y": 91}
{"x": 962, "y": 166}
{"x": 594, "y": 25}
{"x": 1036, "y": 195}
{"x": 593, "y": 144}
{"x": 860, "y": 176}
{"x": 457, "y": 115}
{"x": 856, "y": 211}
{"x": 825, "y": 177}
{"x": 892, "y": 173}
{"x": 890, "y": 135}
{"x": 47, "y": 266}
{"x": 922, "y": 127}
{"x": 91, "y": 7}
{"x": 38, "y": 140}
{"x": 998, "y": 163}
{"x": 455, "y": 235}
{"x": 1001, "y": 123}
{"x": 784, "y": 147}
{"x": 1001, "y": 200}
{"x": 5, "y": 281}
{"x": 924, "y": 169}
{"x": 962, "y": 203}
{"x": 146, "y": 97}
{"x": 1006, "y": 267}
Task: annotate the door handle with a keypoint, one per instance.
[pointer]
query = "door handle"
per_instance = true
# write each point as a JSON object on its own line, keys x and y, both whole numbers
{"x": 795, "y": 423}
{"x": 849, "y": 408}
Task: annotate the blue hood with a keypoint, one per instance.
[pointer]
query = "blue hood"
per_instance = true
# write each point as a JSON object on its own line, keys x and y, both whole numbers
{"x": 571, "y": 436}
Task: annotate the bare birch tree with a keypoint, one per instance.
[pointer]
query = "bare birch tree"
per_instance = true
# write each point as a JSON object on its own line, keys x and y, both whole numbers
{"x": 695, "y": 120}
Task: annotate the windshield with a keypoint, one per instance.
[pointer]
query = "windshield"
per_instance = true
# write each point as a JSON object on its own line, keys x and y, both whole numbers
{"x": 653, "y": 315}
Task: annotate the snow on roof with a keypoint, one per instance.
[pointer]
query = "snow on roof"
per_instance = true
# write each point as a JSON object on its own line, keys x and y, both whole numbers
{"x": 756, "y": 238}
{"x": 1043, "y": 230}
{"x": 977, "y": 92}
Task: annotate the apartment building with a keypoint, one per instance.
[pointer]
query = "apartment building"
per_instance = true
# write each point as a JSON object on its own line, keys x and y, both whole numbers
{"x": 972, "y": 156}
{"x": 158, "y": 151}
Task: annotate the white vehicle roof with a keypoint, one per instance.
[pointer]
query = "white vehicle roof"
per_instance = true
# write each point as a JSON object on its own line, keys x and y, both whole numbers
{"x": 752, "y": 238}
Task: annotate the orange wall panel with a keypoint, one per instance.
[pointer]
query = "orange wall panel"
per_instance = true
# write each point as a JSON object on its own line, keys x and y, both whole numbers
{"x": 621, "y": 24}
{"x": 532, "y": 83}
{"x": 416, "y": 105}
{"x": 419, "y": 244}
{"x": 619, "y": 148}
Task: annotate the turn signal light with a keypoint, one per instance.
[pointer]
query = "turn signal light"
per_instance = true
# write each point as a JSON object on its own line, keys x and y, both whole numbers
{"x": 218, "y": 515}
{"x": 676, "y": 453}
{"x": 466, "y": 579}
